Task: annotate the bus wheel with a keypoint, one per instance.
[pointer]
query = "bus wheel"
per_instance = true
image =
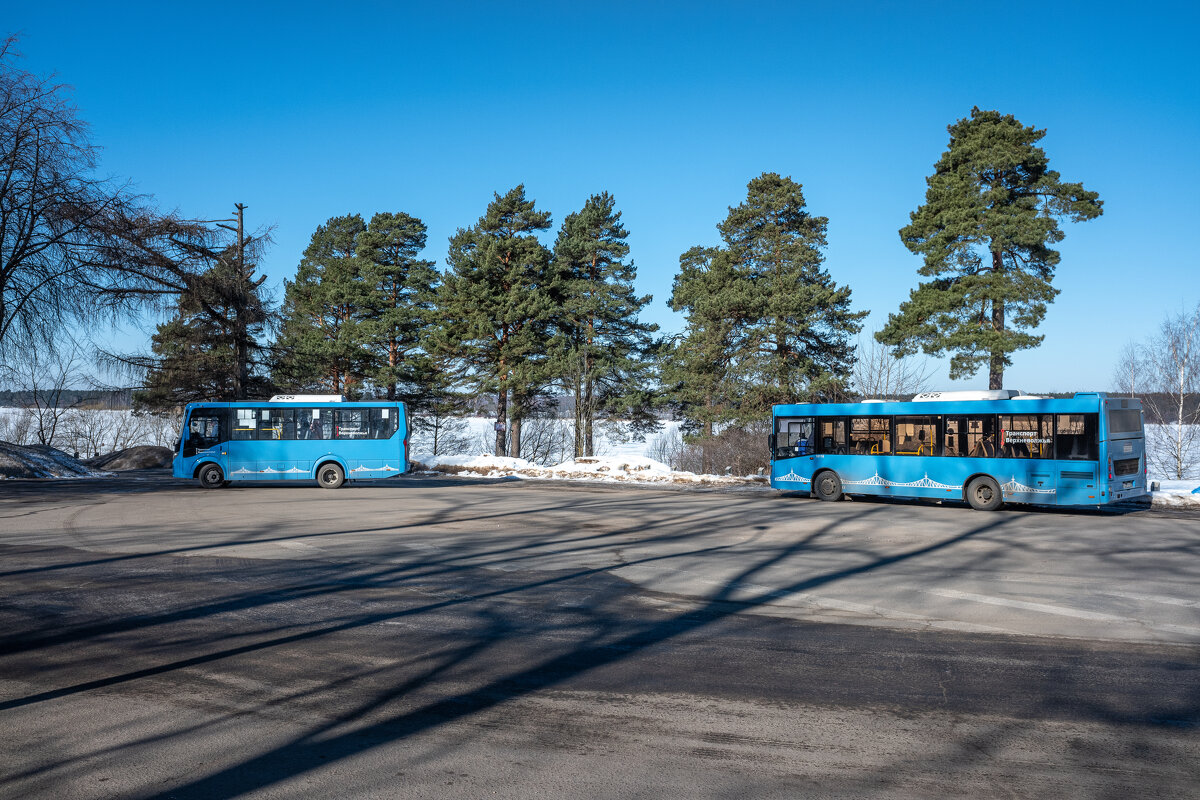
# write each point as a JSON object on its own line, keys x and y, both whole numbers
{"x": 828, "y": 486}
{"x": 211, "y": 477}
{"x": 330, "y": 476}
{"x": 983, "y": 494}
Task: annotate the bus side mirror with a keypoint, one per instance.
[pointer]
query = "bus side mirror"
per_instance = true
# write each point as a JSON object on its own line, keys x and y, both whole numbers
{"x": 771, "y": 444}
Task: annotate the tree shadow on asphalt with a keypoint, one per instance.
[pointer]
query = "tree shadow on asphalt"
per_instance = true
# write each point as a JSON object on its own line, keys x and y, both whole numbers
{"x": 602, "y": 629}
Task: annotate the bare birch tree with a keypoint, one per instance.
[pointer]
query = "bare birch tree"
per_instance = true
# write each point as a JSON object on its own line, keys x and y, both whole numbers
{"x": 1172, "y": 364}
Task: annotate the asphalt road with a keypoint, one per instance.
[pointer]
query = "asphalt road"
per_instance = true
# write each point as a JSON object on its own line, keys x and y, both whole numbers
{"x": 443, "y": 638}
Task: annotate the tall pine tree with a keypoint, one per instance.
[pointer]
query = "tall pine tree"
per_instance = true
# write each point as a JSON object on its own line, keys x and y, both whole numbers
{"x": 322, "y": 343}
{"x": 802, "y": 328}
{"x": 765, "y": 322}
{"x": 991, "y": 213}
{"x": 497, "y": 308}
{"x": 602, "y": 349}
{"x": 398, "y": 306}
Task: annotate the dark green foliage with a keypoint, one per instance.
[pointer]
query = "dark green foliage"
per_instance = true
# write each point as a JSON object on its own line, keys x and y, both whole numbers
{"x": 765, "y": 323}
{"x": 601, "y": 350}
{"x": 322, "y": 345}
{"x": 398, "y": 310}
{"x": 991, "y": 213}
{"x": 195, "y": 354}
{"x": 496, "y": 306}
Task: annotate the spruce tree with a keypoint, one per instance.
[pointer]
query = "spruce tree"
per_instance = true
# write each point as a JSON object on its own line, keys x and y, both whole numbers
{"x": 601, "y": 348}
{"x": 322, "y": 343}
{"x": 211, "y": 348}
{"x": 496, "y": 307}
{"x": 398, "y": 307}
{"x": 991, "y": 213}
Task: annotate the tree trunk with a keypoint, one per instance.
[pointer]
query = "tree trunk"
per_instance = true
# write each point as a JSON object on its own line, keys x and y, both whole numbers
{"x": 996, "y": 367}
{"x": 501, "y": 416}
{"x": 578, "y": 417}
{"x": 391, "y": 388}
{"x": 514, "y": 436}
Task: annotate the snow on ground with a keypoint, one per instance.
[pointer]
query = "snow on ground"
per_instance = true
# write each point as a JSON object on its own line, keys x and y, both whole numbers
{"x": 42, "y": 461}
{"x": 606, "y": 469}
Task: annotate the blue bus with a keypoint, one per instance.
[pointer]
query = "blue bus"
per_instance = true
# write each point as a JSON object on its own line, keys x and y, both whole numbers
{"x": 292, "y": 437}
{"x": 986, "y": 448}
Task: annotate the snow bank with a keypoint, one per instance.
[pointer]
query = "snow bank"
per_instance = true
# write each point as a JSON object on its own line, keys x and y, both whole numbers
{"x": 606, "y": 469}
{"x": 42, "y": 461}
{"x": 1177, "y": 494}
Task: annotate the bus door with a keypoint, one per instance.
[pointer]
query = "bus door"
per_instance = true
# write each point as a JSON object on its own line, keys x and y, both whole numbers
{"x": 241, "y": 448}
{"x": 207, "y": 429}
{"x": 1077, "y": 451}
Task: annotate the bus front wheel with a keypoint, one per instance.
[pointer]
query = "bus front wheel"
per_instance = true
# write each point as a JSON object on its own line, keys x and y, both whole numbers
{"x": 211, "y": 477}
{"x": 983, "y": 494}
{"x": 330, "y": 476}
{"x": 828, "y": 486}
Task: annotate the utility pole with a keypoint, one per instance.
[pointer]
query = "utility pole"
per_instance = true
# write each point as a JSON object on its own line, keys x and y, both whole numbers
{"x": 241, "y": 297}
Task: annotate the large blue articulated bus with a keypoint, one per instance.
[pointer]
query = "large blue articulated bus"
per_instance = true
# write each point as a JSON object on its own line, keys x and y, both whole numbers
{"x": 985, "y": 448}
{"x": 290, "y": 437}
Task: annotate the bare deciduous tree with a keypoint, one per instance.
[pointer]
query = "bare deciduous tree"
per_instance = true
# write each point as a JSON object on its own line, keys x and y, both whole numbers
{"x": 50, "y": 202}
{"x": 1171, "y": 361}
{"x": 1129, "y": 376}
{"x": 878, "y": 373}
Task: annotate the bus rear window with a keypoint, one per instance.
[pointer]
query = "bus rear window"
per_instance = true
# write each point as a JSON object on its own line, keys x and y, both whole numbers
{"x": 1125, "y": 420}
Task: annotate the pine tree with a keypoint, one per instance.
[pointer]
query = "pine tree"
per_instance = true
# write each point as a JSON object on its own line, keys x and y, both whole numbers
{"x": 601, "y": 349}
{"x": 765, "y": 323}
{"x": 703, "y": 368}
{"x": 800, "y": 335}
{"x": 991, "y": 213}
{"x": 398, "y": 308}
{"x": 496, "y": 308}
{"x": 322, "y": 343}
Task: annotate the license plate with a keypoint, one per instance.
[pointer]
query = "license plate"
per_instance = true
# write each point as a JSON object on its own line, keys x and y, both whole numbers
{"x": 1127, "y": 485}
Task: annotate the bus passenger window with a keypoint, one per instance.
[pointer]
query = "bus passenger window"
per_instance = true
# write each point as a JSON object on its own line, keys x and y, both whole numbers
{"x": 916, "y": 436}
{"x": 384, "y": 422}
{"x": 351, "y": 423}
{"x": 1026, "y": 436}
{"x": 981, "y": 437}
{"x": 245, "y": 425}
{"x": 831, "y": 436}
{"x": 871, "y": 436}
{"x": 1077, "y": 437}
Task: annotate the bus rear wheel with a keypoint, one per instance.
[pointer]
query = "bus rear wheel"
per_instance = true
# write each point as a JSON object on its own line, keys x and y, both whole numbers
{"x": 983, "y": 494}
{"x": 330, "y": 476}
{"x": 828, "y": 486}
{"x": 211, "y": 477}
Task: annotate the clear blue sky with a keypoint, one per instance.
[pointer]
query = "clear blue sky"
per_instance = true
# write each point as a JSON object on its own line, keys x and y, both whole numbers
{"x": 309, "y": 110}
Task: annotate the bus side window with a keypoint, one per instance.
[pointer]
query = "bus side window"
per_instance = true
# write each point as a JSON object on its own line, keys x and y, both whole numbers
{"x": 245, "y": 424}
{"x": 871, "y": 436}
{"x": 1026, "y": 436}
{"x": 916, "y": 436}
{"x": 981, "y": 437}
{"x": 831, "y": 435}
{"x": 383, "y": 422}
{"x": 1077, "y": 437}
{"x": 953, "y": 441}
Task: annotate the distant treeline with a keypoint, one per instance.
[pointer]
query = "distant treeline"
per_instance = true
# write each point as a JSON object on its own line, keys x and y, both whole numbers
{"x": 83, "y": 398}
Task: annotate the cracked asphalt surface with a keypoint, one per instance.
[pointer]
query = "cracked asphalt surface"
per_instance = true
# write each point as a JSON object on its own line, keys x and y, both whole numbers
{"x": 427, "y": 637}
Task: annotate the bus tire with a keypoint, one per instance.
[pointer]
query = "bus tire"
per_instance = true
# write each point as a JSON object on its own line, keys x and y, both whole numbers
{"x": 827, "y": 486}
{"x": 330, "y": 475}
{"x": 983, "y": 494}
{"x": 211, "y": 477}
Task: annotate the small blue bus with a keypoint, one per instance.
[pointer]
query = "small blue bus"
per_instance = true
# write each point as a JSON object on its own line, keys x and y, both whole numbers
{"x": 292, "y": 437}
{"x": 985, "y": 448}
